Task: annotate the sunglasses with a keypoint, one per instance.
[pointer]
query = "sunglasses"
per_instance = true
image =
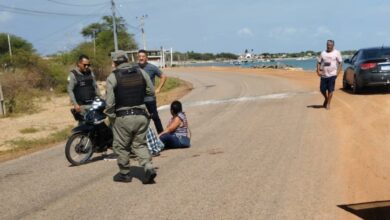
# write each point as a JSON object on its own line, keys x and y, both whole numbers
{"x": 87, "y": 65}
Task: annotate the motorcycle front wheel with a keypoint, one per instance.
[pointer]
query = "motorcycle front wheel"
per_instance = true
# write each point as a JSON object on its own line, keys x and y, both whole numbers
{"x": 78, "y": 149}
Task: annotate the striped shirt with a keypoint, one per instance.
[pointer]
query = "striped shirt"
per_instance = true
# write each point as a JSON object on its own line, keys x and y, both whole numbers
{"x": 182, "y": 130}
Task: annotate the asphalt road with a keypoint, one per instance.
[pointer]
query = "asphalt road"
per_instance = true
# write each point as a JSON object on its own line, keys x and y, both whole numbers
{"x": 258, "y": 152}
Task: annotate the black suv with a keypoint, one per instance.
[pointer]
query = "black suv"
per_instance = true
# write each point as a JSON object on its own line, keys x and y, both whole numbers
{"x": 367, "y": 67}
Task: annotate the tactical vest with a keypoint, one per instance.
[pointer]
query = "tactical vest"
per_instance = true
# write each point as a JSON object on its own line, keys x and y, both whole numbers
{"x": 84, "y": 90}
{"x": 131, "y": 87}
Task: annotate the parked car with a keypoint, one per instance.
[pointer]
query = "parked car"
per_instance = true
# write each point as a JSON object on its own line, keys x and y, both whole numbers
{"x": 367, "y": 67}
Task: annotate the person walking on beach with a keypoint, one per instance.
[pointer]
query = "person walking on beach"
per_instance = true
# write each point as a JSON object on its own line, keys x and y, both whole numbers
{"x": 82, "y": 87}
{"x": 127, "y": 86}
{"x": 329, "y": 66}
{"x": 150, "y": 101}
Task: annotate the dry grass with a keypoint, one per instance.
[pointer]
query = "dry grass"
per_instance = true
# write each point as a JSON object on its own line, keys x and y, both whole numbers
{"x": 22, "y": 143}
{"x": 29, "y": 130}
{"x": 24, "y": 146}
{"x": 173, "y": 89}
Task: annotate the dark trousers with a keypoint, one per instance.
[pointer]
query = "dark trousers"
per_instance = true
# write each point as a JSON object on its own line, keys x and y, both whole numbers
{"x": 152, "y": 109}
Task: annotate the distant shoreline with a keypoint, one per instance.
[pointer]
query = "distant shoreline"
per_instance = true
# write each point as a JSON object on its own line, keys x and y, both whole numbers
{"x": 306, "y": 64}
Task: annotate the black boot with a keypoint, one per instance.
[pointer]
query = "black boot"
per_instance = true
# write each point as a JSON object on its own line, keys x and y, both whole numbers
{"x": 149, "y": 176}
{"x": 119, "y": 177}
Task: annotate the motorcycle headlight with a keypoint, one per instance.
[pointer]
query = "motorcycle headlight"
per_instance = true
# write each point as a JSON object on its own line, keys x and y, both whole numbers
{"x": 96, "y": 105}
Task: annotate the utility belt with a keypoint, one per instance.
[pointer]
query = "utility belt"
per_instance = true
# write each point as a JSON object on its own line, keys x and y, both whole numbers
{"x": 87, "y": 102}
{"x": 132, "y": 111}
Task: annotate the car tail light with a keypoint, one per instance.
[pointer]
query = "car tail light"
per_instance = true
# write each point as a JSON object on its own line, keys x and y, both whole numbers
{"x": 366, "y": 66}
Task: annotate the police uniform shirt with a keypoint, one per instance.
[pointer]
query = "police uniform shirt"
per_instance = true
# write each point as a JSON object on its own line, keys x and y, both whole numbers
{"x": 111, "y": 84}
{"x": 72, "y": 82}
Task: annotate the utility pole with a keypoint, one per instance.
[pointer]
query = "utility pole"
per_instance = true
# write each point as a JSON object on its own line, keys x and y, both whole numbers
{"x": 171, "y": 57}
{"x": 163, "y": 50}
{"x": 162, "y": 57}
{"x": 94, "y": 43}
{"x": 9, "y": 46}
{"x": 114, "y": 25}
{"x": 142, "y": 21}
{"x": 2, "y": 104}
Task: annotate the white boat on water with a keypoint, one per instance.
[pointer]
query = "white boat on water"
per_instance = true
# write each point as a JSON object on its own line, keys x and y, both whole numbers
{"x": 303, "y": 58}
{"x": 236, "y": 62}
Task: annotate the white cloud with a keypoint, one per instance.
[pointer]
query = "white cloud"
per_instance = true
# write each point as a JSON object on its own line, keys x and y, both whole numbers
{"x": 5, "y": 17}
{"x": 245, "y": 32}
{"x": 381, "y": 34}
{"x": 282, "y": 32}
{"x": 294, "y": 32}
{"x": 321, "y": 31}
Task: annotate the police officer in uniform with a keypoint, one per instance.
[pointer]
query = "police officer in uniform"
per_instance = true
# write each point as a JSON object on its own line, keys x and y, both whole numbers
{"x": 127, "y": 86}
{"x": 82, "y": 87}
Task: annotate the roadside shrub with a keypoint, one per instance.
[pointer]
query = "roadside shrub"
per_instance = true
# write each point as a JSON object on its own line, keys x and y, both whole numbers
{"x": 26, "y": 76}
{"x": 56, "y": 75}
{"x": 19, "y": 91}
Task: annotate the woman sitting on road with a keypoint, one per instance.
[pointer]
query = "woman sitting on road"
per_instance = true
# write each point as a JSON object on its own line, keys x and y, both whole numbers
{"x": 176, "y": 134}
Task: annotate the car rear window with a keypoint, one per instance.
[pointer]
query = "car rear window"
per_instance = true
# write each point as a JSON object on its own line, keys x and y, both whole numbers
{"x": 376, "y": 53}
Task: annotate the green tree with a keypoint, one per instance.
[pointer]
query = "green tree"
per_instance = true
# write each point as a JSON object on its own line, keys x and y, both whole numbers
{"x": 104, "y": 34}
{"x": 194, "y": 56}
{"x": 105, "y": 25}
{"x": 207, "y": 56}
{"x": 224, "y": 55}
{"x": 22, "y": 50}
{"x": 105, "y": 40}
{"x": 17, "y": 43}
{"x": 29, "y": 75}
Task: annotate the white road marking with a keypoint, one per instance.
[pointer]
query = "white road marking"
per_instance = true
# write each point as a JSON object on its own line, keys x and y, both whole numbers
{"x": 239, "y": 99}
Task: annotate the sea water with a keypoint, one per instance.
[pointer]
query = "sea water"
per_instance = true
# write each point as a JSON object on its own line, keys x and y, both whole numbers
{"x": 307, "y": 64}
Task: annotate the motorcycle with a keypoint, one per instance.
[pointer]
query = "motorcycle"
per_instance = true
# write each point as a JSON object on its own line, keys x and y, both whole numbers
{"x": 92, "y": 135}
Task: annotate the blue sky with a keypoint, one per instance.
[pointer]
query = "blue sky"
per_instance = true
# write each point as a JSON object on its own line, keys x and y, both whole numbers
{"x": 209, "y": 25}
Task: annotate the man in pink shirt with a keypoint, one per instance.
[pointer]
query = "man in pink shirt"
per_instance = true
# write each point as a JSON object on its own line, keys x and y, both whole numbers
{"x": 329, "y": 66}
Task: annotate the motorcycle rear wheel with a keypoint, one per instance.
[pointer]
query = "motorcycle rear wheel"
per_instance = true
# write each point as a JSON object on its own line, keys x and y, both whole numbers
{"x": 78, "y": 149}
